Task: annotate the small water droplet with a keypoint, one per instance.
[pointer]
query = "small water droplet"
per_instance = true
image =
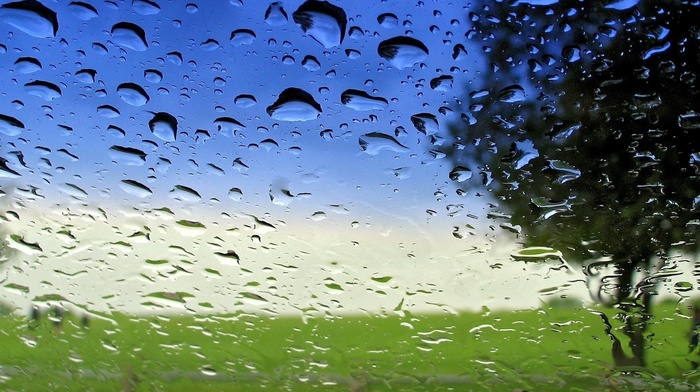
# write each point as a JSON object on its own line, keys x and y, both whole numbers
{"x": 82, "y": 11}
{"x": 388, "y": 20}
{"x": 512, "y": 94}
{"x": 425, "y": 123}
{"x": 145, "y": 7}
{"x": 10, "y": 126}
{"x": 44, "y": 90}
{"x": 27, "y": 65}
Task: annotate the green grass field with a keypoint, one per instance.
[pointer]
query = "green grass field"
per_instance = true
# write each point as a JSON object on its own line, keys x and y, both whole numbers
{"x": 555, "y": 348}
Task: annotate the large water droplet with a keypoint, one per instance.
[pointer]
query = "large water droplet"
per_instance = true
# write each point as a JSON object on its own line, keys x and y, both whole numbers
{"x": 245, "y": 101}
{"x": 153, "y": 75}
{"x": 127, "y": 156}
{"x": 185, "y": 193}
{"x": 44, "y": 90}
{"x": 323, "y": 21}
{"x": 294, "y": 104}
{"x": 145, "y": 7}
{"x": 27, "y": 65}
{"x": 133, "y": 94}
{"x": 31, "y": 17}
{"x": 228, "y": 126}
{"x": 86, "y": 76}
{"x": 512, "y": 94}
{"x": 135, "y": 188}
{"x": 425, "y": 123}
{"x": 275, "y": 14}
{"x": 374, "y": 142}
{"x": 242, "y": 37}
{"x": 10, "y": 126}
{"x": 361, "y": 101}
{"x": 402, "y": 52}
{"x": 163, "y": 126}
{"x": 6, "y": 171}
{"x": 129, "y": 36}
{"x": 460, "y": 174}
{"x": 388, "y": 20}
{"x": 82, "y": 11}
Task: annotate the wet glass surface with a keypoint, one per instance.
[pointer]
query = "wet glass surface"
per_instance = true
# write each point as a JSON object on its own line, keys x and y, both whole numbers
{"x": 495, "y": 195}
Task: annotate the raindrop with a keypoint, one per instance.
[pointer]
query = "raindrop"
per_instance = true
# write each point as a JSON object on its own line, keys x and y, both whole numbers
{"x": 245, "y": 101}
{"x": 152, "y": 75}
{"x": 210, "y": 45}
{"x": 185, "y": 193}
{"x": 82, "y": 11}
{"x": 521, "y": 153}
{"x": 355, "y": 33}
{"x": 6, "y": 171}
{"x": 31, "y": 17}
{"x": 402, "y": 52}
{"x": 689, "y": 120}
{"x": 323, "y": 21}
{"x": 352, "y": 54}
{"x": 571, "y": 54}
{"x": 361, "y": 101}
{"x": 127, "y": 156}
{"x": 175, "y": 58}
{"x": 388, "y": 21}
{"x": 86, "y": 76}
{"x": 228, "y": 126}
{"x": 130, "y": 36}
{"x": 242, "y": 37}
{"x": 275, "y": 15}
{"x": 27, "y": 65}
{"x": 460, "y": 174}
{"x": 44, "y": 90}
{"x": 135, "y": 188}
{"x": 374, "y": 142}
{"x": 235, "y": 194}
{"x": 133, "y": 94}
{"x": 163, "y": 126}
{"x": 10, "y": 126}
{"x": 425, "y": 123}
{"x": 622, "y": 4}
{"x": 145, "y": 7}
{"x": 191, "y": 8}
{"x": 108, "y": 111}
{"x": 442, "y": 83}
{"x": 311, "y": 63}
{"x": 511, "y": 94}
{"x": 294, "y": 104}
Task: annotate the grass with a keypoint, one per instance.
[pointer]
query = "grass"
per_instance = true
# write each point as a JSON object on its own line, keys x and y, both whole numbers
{"x": 544, "y": 349}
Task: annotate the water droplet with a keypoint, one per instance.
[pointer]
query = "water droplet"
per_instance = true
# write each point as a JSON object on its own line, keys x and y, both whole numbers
{"x": 210, "y": 45}
{"x": 460, "y": 174}
{"x": 145, "y": 7}
{"x": 571, "y": 54}
{"x": 10, "y": 126}
{"x": 86, "y": 76}
{"x": 521, "y": 153}
{"x": 242, "y": 37}
{"x": 374, "y": 142}
{"x": 512, "y": 94}
{"x": 442, "y": 83}
{"x": 133, "y": 94}
{"x": 6, "y": 171}
{"x": 536, "y": 253}
{"x": 245, "y": 101}
{"x": 175, "y": 58}
{"x": 153, "y": 75}
{"x": 191, "y": 8}
{"x": 323, "y": 21}
{"x": 135, "y": 188}
{"x": 228, "y": 126}
{"x": 294, "y": 104}
{"x": 275, "y": 15}
{"x": 311, "y": 63}
{"x": 689, "y": 120}
{"x": 185, "y": 193}
{"x": 27, "y": 65}
{"x": 31, "y": 17}
{"x": 127, "y": 156}
{"x": 163, "y": 126}
{"x": 361, "y": 101}
{"x": 82, "y": 11}
{"x": 425, "y": 123}
{"x": 621, "y": 4}
{"x": 44, "y": 90}
{"x": 108, "y": 111}
{"x": 388, "y": 21}
{"x": 235, "y": 194}
{"x": 402, "y": 52}
{"x": 352, "y": 54}
{"x": 130, "y": 36}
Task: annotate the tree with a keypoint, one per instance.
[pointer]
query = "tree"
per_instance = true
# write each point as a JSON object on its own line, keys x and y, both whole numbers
{"x": 604, "y": 163}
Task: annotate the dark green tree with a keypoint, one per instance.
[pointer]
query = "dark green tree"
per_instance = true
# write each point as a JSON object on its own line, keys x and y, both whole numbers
{"x": 589, "y": 138}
